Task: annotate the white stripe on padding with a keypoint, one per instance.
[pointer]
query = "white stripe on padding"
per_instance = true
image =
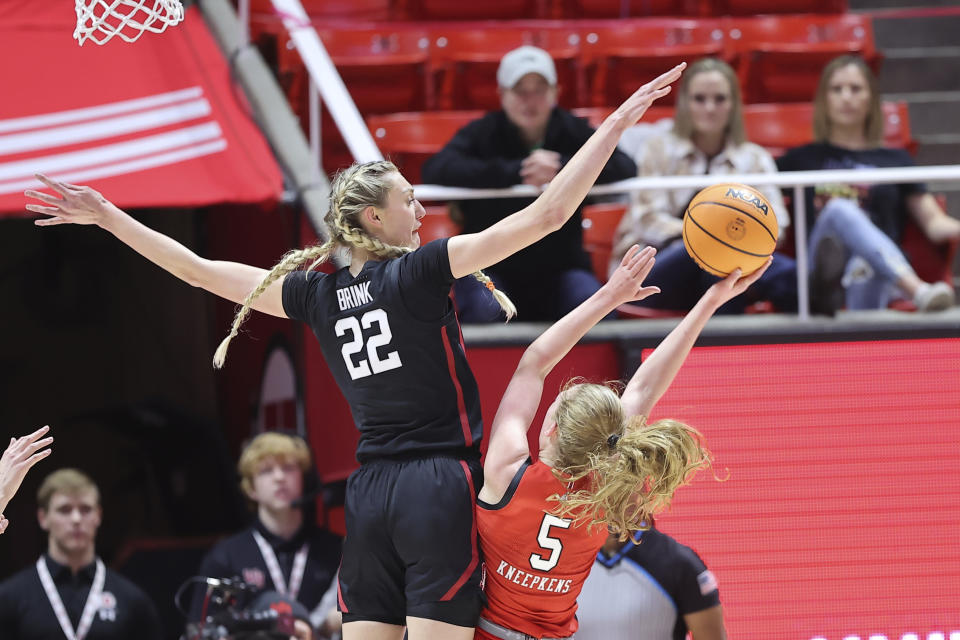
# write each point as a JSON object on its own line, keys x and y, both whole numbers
{"x": 118, "y": 169}
{"x": 104, "y": 128}
{"x": 109, "y": 153}
{"x": 99, "y": 111}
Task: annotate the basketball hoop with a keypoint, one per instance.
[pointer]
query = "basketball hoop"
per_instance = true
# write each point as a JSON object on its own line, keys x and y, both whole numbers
{"x": 100, "y": 20}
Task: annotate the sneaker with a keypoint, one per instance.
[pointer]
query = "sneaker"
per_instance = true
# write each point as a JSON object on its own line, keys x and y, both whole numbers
{"x": 827, "y": 294}
{"x": 935, "y": 296}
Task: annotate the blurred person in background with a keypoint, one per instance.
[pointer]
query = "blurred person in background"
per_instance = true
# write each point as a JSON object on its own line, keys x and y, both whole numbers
{"x": 855, "y": 229}
{"x": 69, "y": 593}
{"x": 649, "y": 587}
{"x": 527, "y": 142}
{"x": 708, "y": 137}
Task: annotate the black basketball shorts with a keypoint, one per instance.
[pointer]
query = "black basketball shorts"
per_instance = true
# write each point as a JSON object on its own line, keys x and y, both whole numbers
{"x": 411, "y": 547}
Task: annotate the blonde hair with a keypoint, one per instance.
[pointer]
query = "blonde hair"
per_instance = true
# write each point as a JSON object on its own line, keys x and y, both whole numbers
{"x": 629, "y": 469}
{"x": 683, "y": 120}
{"x": 872, "y": 126}
{"x": 270, "y": 445}
{"x": 353, "y": 189}
{"x": 67, "y": 481}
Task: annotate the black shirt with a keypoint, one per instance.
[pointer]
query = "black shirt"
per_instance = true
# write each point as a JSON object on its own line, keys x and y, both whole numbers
{"x": 26, "y": 612}
{"x": 239, "y": 557}
{"x": 884, "y": 203}
{"x": 392, "y": 341}
{"x": 487, "y": 153}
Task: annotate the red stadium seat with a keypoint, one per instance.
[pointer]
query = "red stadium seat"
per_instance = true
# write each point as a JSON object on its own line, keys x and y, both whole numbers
{"x": 347, "y": 9}
{"x": 932, "y": 262}
{"x": 779, "y": 58}
{"x": 410, "y": 138}
{"x": 596, "y": 115}
{"x": 437, "y": 224}
{"x": 634, "y": 8}
{"x": 465, "y": 60}
{"x": 620, "y": 57}
{"x": 777, "y": 127}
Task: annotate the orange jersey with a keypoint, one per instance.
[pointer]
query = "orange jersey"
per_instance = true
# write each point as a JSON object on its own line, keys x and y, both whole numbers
{"x": 535, "y": 562}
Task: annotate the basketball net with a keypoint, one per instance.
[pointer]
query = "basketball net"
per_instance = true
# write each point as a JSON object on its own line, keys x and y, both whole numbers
{"x": 100, "y": 20}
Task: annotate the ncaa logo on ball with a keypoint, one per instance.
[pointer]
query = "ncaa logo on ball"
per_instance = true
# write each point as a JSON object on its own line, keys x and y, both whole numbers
{"x": 748, "y": 197}
{"x": 737, "y": 228}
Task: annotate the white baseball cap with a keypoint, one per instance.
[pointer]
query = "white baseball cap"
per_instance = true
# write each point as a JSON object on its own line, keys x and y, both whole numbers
{"x": 523, "y": 60}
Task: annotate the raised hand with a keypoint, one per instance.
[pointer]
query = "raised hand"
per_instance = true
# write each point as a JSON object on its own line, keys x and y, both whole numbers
{"x": 735, "y": 284}
{"x": 636, "y": 105}
{"x": 626, "y": 283}
{"x": 19, "y": 457}
{"x": 76, "y": 204}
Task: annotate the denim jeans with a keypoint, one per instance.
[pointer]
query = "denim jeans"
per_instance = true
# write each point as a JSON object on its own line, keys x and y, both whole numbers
{"x": 875, "y": 262}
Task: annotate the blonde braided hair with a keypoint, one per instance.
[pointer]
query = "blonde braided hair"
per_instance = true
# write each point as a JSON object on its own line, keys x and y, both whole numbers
{"x": 353, "y": 189}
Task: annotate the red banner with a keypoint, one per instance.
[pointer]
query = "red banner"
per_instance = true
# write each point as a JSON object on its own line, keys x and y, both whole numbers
{"x": 154, "y": 123}
{"x": 839, "y": 516}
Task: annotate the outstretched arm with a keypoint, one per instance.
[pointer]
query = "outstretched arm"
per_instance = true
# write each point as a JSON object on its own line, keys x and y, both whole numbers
{"x": 654, "y": 376}
{"x": 18, "y": 458}
{"x": 508, "y": 434}
{"x": 560, "y": 200}
{"x": 83, "y": 205}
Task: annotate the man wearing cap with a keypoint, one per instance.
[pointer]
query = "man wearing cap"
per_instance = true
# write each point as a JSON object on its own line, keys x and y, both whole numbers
{"x": 69, "y": 593}
{"x": 527, "y": 142}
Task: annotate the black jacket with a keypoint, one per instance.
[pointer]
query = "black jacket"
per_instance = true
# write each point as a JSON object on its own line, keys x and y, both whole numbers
{"x": 487, "y": 153}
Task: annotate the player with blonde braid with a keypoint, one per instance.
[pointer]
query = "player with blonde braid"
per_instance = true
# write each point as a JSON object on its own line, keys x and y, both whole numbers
{"x": 600, "y": 465}
{"x": 389, "y": 333}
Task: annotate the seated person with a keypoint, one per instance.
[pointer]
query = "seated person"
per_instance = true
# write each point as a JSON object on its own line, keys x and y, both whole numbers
{"x": 281, "y": 551}
{"x": 855, "y": 230}
{"x": 527, "y": 142}
{"x": 708, "y": 137}
{"x": 650, "y": 587}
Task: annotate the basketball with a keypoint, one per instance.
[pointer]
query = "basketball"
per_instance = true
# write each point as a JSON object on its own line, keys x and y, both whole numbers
{"x": 730, "y": 225}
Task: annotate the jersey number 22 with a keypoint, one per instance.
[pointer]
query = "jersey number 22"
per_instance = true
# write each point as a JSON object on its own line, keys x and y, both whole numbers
{"x": 374, "y": 362}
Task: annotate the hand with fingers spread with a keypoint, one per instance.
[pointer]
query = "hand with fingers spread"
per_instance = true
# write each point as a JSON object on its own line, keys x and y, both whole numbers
{"x": 19, "y": 457}
{"x": 626, "y": 283}
{"x": 636, "y": 105}
{"x": 73, "y": 205}
{"x": 734, "y": 284}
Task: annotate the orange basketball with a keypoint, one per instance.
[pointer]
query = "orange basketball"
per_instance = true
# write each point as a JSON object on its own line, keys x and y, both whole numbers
{"x": 728, "y": 226}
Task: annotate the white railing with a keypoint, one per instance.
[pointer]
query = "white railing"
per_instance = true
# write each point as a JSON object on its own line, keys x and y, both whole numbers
{"x": 325, "y": 80}
{"x": 796, "y": 179}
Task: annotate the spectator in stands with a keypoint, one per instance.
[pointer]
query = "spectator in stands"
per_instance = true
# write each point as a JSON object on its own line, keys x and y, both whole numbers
{"x": 282, "y": 551}
{"x": 708, "y": 136}
{"x": 649, "y": 587}
{"x": 855, "y": 229}
{"x": 69, "y": 593}
{"x": 527, "y": 142}
{"x": 20, "y": 455}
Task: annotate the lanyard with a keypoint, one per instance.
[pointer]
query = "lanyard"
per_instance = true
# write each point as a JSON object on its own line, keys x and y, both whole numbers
{"x": 91, "y": 606}
{"x": 296, "y": 573}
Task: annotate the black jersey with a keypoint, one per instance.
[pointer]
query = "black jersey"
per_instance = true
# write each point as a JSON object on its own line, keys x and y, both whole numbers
{"x": 391, "y": 338}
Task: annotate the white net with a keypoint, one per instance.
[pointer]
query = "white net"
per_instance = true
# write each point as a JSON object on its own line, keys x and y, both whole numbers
{"x": 100, "y": 20}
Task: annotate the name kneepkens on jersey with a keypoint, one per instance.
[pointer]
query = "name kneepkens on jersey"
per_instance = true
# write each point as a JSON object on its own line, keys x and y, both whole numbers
{"x": 532, "y": 581}
{"x": 354, "y": 296}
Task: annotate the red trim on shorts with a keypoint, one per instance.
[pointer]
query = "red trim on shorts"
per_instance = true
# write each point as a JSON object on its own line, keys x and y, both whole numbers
{"x": 474, "y": 557}
{"x": 461, "y": 405}
{"x": 343, "y": 606}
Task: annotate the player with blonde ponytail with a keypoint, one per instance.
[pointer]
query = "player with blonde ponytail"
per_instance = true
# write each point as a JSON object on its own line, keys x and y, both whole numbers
{"x": 600, "y": 465}
{"x": 390, "y": 336}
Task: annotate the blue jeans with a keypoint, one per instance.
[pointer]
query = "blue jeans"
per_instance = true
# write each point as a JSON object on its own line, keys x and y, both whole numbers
{"x": 537, "y": 299}
{"x": 875, "y": 263}
{"x": 682, "y": 282}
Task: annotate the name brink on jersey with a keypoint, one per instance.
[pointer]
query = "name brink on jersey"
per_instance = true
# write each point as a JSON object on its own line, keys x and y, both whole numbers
{"x": 532, "y": 581}
{"x": 354, "y": 296}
